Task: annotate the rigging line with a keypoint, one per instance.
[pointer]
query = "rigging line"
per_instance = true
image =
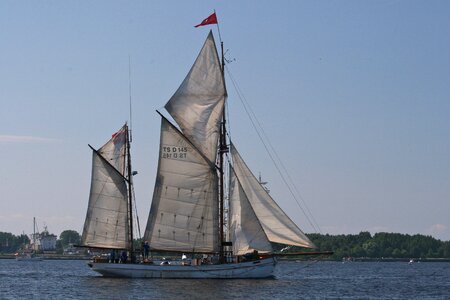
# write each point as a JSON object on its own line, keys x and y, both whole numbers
{"x": 247, "y": 107}
{"x": 292, "y": 184}
{"x": 136, "y": 214}
{"x": 316, "y": 226}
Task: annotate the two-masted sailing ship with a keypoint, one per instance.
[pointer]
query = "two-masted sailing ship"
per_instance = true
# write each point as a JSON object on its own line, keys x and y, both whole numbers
{"x": 189, "y": 205}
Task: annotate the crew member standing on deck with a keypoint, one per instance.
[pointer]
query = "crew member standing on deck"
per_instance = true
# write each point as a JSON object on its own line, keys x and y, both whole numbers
{"x": 146, "y": 250}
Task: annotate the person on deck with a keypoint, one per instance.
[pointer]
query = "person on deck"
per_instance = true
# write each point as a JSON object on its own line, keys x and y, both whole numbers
{"x": 250, "y": 256}
{"x": 112, "y": 256}
{"x": 123, "y": 257}
{"x": 146, "y": 250}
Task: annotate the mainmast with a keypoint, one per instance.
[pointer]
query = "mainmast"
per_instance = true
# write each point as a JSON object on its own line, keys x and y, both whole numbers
{"x": 222, "y": 150}
{"x": 130, "y": 195}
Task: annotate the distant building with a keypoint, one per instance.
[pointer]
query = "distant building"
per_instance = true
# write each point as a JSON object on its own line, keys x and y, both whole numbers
{"x": 48, "y": 243}
{"x": 45, "y": 241}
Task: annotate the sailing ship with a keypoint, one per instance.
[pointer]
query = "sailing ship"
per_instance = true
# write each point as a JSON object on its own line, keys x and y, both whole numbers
{"x": 28, "y": 253}
{"x": 189, "y": 208}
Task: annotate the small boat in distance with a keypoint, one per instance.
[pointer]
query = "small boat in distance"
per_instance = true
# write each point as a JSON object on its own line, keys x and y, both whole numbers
{"x": 27, "y": 256}
{"x": 28, "y": 253}
{"x": 189, "y": 215}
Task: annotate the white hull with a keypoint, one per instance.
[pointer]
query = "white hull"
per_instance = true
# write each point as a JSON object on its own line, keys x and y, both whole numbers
{"x": 263, "y": 268}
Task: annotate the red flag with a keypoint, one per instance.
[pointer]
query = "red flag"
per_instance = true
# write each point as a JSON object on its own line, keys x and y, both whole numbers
{"x": 119, "y": 133}
{"x": 212, "y": 19}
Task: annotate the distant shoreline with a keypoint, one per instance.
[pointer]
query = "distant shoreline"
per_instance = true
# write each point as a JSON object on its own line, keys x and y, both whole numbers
{"x": 369, "y": 259}
{"x": 384, "y": 259}
{"x": 50, "y": 257}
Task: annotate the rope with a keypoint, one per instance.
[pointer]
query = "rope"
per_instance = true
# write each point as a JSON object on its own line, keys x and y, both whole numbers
{"x": 136, "y": 214}
{"x": 263, "y": 137}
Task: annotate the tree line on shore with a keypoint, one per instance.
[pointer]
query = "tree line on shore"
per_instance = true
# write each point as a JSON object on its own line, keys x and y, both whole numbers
{"x": 362, "y": 245}
{"x": 381, "y": 245}
{"x": 10, "y": 243}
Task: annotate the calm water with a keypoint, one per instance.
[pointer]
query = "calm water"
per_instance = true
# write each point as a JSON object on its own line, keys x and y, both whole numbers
{"x": 302, "y": 280}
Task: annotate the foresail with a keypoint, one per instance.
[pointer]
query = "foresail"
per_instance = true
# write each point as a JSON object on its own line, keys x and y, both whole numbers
{"x": 198, "y": 103}
{"x": 246, "y": 232}
{"x": 183, "y": 215}
{"x": 106, "y": 224}
{"x": 278, "y": 227}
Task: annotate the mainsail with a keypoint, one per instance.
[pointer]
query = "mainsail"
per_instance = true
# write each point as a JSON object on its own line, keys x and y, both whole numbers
{"x": 198, "y": 103}
{"x": 106, "y": 224}
{"x": 277, "y": 226}
{"x": 184, "y": 211}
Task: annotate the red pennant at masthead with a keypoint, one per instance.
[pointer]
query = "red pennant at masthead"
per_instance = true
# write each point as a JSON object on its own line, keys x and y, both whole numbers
{"x": 212, "y": 19}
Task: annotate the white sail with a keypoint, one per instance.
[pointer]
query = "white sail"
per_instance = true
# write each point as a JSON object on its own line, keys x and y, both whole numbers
{"x": 184, "y": 211}
{"x": 106, "y": 224}
{"x": 278, "y": 227}
{"x": 114, "y": 150}
{"x": 246, "y": 232}
{"x": 198, "y": 103}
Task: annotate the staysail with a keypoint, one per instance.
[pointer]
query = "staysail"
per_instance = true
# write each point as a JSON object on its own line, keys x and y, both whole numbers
{"x": 184, "y": 211}
{"x": 106, "y": 224}
{"x": 198, "y": 103}
{"x": 245, "y": 230}
{"x": 277, "y": 226}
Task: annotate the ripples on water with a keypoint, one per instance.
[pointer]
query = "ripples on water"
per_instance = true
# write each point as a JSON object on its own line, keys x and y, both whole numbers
{"x": 54, "y": 279}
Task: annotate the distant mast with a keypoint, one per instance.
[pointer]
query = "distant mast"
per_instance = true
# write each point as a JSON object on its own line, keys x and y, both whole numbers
{"x": 34, "y": 233}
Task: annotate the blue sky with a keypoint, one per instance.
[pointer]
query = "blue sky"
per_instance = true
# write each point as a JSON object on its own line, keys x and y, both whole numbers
{"x": 354, "y": 96}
